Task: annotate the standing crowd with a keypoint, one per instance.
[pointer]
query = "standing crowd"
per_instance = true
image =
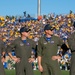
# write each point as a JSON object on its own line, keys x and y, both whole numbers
{"x": 47, "y": 40}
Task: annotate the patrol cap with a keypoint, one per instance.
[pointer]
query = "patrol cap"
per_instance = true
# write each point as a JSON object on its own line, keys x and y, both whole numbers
{"x": 48, "y": 27}
{"x": 24, "y": 29}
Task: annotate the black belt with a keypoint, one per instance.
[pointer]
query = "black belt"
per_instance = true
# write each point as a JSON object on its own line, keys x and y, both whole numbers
{"x": 73, "y": 51}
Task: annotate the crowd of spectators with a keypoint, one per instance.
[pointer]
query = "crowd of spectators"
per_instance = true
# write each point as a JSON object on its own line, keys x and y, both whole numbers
{"x": 63, "y": 26}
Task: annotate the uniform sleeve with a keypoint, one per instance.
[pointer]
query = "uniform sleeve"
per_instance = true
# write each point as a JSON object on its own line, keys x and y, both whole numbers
{"x": 71, "y": 42}
{"x": 39, "y": 48}
{"x": 3, "y": 47}
{"x": 33, "y": 45}
{"x": 11, "y": 46}
{"x": 60, "y": 42}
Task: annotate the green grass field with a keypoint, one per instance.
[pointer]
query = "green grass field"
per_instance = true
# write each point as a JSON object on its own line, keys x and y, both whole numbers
{"x": 12, "y": 72}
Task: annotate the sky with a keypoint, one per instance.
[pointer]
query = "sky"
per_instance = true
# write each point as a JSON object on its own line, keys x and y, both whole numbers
{"x": 17, "y": 7}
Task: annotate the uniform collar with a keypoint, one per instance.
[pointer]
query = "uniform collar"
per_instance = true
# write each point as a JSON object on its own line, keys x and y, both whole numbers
{"x": 46, "y": 37}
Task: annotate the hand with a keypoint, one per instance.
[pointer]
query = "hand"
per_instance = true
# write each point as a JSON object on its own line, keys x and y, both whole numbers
{"x": 17, "y": 60}
{"x": 40, "y": 68}
{"x": 56, "y": 57}
{"x": 31, "y": 60}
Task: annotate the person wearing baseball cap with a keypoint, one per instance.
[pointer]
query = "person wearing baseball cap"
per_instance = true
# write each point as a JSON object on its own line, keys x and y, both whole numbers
{"x": 24, "y": 29}
{"x": 47, "y": 52}
{"x": 23, "y": 48}
{"x": 48, "y": 27}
